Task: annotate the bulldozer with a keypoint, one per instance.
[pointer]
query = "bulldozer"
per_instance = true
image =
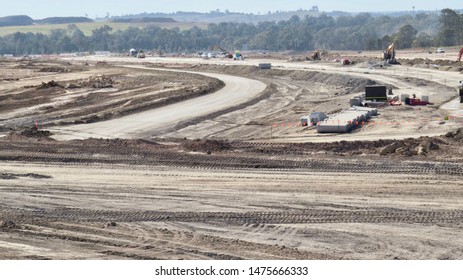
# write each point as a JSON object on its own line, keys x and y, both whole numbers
{"x": 141, "y": 54}
{"x": 389, "y": 54}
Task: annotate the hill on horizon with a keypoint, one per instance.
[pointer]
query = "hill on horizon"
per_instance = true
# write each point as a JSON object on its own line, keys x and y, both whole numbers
{"x": 23, "y": 20}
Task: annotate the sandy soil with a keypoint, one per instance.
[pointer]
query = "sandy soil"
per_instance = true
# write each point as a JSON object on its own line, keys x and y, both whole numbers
{"x": 100, "y": 212}
{"x": 248, "y": 195}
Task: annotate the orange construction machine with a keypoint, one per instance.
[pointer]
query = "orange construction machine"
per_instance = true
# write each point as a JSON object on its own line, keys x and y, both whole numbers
{"x": 460, "y": 54}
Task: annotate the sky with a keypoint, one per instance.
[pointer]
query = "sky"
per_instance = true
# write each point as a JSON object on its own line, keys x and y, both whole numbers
{"x": 38, "y": 9}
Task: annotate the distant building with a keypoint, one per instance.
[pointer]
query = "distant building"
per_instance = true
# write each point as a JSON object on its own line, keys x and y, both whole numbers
{"x": 314, "y": 9}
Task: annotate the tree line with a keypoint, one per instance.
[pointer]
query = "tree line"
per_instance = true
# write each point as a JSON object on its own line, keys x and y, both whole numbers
{"x": 359, "y": 32}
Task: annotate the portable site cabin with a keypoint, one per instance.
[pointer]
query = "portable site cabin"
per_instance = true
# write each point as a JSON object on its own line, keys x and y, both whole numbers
{"x": 313, "y": 119}
{"x": 346, "y": 120}
{"x": 264, "y": 66}
{"x": 376, "y": 93}
{"x": 317, "y": 117}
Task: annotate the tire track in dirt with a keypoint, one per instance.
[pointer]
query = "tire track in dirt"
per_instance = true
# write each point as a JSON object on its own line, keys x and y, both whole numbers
{"x": 297, "y": 217}
{"x": 106, "y": 154}
{"x": 137, "y": 241}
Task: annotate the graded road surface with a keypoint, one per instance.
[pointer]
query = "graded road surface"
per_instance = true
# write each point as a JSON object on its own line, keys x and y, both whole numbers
{"x": 237, "y": 90}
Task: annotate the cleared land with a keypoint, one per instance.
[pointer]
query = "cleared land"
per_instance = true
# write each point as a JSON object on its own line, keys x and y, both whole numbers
{"x": 237, "y": 193}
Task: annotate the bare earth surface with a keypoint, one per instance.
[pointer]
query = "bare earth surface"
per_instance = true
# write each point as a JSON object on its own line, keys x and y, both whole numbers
{"x": 254, "y": 185}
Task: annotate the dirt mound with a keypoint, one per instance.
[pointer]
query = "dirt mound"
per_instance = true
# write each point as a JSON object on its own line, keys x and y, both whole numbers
{"x": 342, "y": 147}
{"x": 8, "y": 224}
{"x": 35, "y": 133}
{"x": 457, "y": 135}
{"x": 10, "y": 176}
{"x": 50, "y": 84}
{"x": 29, "y": 133}
{"x": 24, "y": 66}
{"x": 207, "y": 146}
{"x": 116, "y": 142}
{"x": 7, "y": 176}
{"x": 102, "y": 81}
{"x": 369, "y": 64}
{"x": 410, "y": 147}
{"x": 101, "y": 63}
{"x": 441, "y": 64}
{"x": 54, "y": 69}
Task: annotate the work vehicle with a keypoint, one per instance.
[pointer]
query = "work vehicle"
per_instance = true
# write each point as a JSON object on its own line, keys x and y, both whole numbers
{"x": 141, "y": 54}
{"x": 389, "y": 54}
{"x": 345, "y": 61}
{"x": 416, "y": 101}
{"x": 238, "y": 56}
{"x": 316, "y": 55}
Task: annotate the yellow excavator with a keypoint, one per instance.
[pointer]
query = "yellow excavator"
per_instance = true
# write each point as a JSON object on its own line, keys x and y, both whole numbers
{"x": 389, "y": 54}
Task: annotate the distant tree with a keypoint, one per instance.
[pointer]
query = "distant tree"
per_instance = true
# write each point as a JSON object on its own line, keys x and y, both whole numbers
{"x": 385, "y": 41}
{"x": 78, "y": 38}
{"x": 371, "y": 44}
{"x": 100, "y": 38}
{"x": 345, "y": 32}
{"x": 423, "y": 40}
{"x": 451, "y": 28}
{"x": 405, "y": 37}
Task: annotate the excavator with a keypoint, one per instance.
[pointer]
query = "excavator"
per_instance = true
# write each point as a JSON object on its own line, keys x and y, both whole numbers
{"x": 316, "y": 55}
{"x": 389, "y": 54}
{"x": 460, "y": 54}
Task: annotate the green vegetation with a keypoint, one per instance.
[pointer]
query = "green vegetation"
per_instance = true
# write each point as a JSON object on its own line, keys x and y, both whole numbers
{"x": 359, "y": 32}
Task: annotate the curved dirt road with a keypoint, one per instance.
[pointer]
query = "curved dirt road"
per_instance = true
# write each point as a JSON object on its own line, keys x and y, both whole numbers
{"x": 237, "y": 90}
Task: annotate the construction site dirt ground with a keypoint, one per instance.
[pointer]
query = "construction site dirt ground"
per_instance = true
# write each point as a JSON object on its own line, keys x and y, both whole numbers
{"x": 183, "y": 158}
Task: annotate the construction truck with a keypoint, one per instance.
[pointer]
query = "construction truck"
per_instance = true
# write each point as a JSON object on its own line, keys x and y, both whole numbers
{"x": 138, "y": 54}
{"x": 389, "y": 54}
{"x": 346, "y": 61}
{"x": 460, "y": 54}
{"x": 238, "y": 56}
{"x": 416, "y": 101}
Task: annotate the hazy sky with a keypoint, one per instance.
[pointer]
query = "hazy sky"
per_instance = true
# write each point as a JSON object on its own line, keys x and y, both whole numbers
{"x": 47, "y": 8}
